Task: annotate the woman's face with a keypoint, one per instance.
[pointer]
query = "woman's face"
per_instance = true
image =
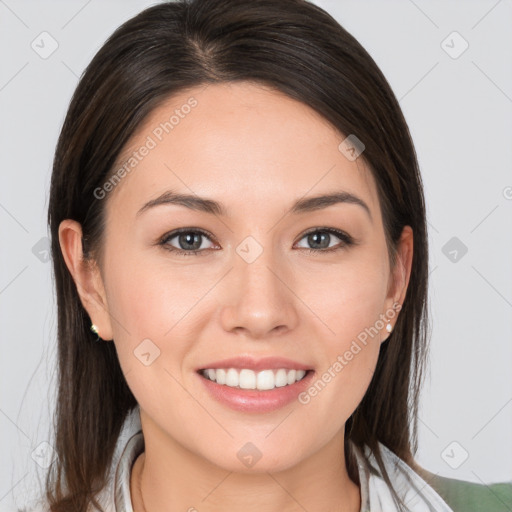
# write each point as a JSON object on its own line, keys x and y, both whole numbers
{"x": 271, "y": 279}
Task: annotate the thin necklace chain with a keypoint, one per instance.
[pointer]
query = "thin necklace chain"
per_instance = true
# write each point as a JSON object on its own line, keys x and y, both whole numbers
{"x": 140, "y": 492}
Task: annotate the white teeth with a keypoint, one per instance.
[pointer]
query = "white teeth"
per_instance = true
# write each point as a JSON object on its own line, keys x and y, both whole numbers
{"x": 219, "y": 376}
{"x": 248, "y": 379}
{"x": 231, "y": 377}
{"x": 300, "y": 374}
{"x": 281, "y": 378}
{"x": 265, "y": 380}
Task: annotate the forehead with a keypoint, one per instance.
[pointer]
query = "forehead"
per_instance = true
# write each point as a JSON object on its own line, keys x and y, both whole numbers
{"x": 240, "y": 143}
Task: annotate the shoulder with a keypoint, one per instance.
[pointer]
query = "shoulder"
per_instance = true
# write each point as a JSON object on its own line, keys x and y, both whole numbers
{"x": 463, "y": 496}
{"x": 41, "y": 507}
{"x": 437, "y": 492}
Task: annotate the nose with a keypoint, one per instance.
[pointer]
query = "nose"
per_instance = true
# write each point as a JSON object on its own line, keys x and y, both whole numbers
{"x": 260, "y": 301}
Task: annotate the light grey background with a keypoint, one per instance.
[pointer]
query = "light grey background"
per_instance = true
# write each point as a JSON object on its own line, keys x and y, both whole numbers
{"x": 459, "y": 112}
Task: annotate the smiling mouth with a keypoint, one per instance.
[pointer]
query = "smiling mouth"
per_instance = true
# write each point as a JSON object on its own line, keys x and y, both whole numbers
{"x": 246, "y": 378}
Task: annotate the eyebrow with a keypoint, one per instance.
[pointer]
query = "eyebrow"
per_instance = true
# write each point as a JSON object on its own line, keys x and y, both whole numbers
{"x": 303, "y": 205}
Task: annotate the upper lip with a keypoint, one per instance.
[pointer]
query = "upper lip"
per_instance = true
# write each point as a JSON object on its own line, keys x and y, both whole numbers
{"x": 251, "y": 363}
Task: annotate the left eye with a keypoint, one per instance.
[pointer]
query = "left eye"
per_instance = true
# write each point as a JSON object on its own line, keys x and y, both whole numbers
{"x": 190, "y": 241}
{"x": 321, "y": 238}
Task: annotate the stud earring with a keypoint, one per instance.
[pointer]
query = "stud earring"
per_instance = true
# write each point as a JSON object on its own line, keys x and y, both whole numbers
{"x": 96, "y": 331}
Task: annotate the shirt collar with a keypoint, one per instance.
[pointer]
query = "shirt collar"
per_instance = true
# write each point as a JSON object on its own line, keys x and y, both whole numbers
{"x": 376, "y": 496}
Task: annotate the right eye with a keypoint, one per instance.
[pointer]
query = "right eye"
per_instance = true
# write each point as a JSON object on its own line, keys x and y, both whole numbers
{"x": 190, "y": 241}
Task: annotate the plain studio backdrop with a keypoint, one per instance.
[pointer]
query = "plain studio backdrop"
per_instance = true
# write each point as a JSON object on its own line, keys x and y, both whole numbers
{"x": 449, "y": 64}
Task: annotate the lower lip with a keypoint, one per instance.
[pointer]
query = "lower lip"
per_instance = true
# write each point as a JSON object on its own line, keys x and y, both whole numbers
{"x": 253, "y": 400}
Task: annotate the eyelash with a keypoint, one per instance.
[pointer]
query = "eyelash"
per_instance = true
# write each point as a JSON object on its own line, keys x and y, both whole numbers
{"x": 346, "y": 241}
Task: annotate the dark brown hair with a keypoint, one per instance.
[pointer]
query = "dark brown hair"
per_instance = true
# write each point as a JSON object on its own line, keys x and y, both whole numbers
{"x": 294, "y": 47}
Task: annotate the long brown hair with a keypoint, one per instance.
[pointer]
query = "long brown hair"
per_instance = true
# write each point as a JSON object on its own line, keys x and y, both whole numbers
{"x": 300, "y": 50}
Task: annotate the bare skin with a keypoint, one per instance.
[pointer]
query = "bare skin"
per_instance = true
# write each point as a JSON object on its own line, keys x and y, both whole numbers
{"x": 256, "y": 151}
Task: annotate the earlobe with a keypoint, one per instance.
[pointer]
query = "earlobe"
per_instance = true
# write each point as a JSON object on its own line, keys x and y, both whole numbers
{"x": 86, "y": 276}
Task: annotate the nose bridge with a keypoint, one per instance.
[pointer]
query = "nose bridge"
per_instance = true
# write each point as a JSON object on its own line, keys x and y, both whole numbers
{"x": 260, "y": 302}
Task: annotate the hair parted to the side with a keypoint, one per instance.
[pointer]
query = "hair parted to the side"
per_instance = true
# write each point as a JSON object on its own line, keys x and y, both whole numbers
{"x": 300, "y": 50}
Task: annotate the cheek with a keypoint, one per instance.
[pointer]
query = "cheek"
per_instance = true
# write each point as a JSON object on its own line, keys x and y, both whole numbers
{"x": 348, "y": 297}
{"x": 150, "y": 313}
{"x": 158, "y": 312}
{"x": 149, "y": 307}
{"x": 149, "y": 298}
{"x": 349, "y": 304}
{"x": 348, "y": 359}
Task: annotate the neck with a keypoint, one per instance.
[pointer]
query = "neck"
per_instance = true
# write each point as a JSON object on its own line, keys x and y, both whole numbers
{"x": 169, "y": 478}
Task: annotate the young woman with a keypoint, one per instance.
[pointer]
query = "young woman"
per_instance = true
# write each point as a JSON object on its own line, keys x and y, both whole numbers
{"x": 237, "y": 215}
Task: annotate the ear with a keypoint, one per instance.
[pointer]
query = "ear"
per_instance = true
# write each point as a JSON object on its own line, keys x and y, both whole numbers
{"x": 401, "y": 273}
{"x": 87, "y": 277}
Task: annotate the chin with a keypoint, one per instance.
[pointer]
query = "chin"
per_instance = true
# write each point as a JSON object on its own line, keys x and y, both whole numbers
{"x": 251, "y": 460}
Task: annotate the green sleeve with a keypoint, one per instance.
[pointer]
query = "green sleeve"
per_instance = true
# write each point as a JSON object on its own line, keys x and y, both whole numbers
{"x": 464, "y": 496}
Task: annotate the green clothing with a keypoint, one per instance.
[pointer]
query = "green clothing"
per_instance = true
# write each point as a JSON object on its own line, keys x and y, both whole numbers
{"x": 463, "y": 496}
